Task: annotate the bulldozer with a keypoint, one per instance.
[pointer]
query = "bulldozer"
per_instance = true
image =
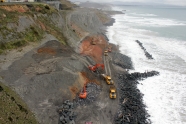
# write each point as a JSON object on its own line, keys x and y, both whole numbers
{"x": 108, "y": 79}
{"x": 95, "y": 67}
{"x": 2, "y": 1}
{"x": 112, "y": 92}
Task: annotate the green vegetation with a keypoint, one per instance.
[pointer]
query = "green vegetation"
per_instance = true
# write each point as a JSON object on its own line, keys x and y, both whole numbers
{"x": 32, "y": 34}
{"x": 53, "y": 29}
{"x": 12, "y": 109}
{"x": 11, "y": 39}
{"x": 40, "y": 8}
{"x": 7, "y": 17}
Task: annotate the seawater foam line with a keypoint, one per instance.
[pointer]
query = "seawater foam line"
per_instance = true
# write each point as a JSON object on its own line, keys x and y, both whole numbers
{"x": 164, "y": 96}
{"x": 150, "y": 22}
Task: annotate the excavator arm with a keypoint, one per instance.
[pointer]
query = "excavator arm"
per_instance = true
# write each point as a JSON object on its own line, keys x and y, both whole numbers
{"x": 83, "y": 94}
{"x": 94, "y": 67}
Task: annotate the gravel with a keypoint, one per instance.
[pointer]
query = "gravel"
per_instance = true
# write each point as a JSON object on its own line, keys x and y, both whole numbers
{"x": 93, "y": 90}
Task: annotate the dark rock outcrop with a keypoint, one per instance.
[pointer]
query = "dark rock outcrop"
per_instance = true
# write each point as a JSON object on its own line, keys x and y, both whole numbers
{"x": 148, "y": 55}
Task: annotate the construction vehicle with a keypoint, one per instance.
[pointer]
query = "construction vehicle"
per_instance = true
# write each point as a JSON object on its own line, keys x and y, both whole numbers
{"x": 93, "y": 42}
{"x": 95, "y": 67}
{"x": 109, "y": 49}
{"x": 112, "y": 92}
{"x": 108, "y": 79}
{"x": 2, "y": 1}
{"x": 83, "y": 94}
{"x": 106, "y": 52}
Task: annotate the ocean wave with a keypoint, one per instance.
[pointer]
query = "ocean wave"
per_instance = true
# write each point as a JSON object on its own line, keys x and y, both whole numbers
{"x": 145, "y": 14}
{"x": 149, "y": 22}
{"x": 164, "y": 95}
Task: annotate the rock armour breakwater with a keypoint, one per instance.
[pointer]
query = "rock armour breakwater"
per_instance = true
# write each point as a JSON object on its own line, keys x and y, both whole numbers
{"x": 132, "y": 109}
{"x": 149, "y": 56}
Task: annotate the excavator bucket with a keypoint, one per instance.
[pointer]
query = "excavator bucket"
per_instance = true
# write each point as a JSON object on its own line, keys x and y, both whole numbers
{"x": 83, "y": 94}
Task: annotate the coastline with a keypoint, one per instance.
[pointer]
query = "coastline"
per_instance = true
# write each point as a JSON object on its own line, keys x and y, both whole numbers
{"x": 52, "y": 73}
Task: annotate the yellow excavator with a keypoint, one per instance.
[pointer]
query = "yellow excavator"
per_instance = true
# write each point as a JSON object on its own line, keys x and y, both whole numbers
{"x": 2, "y": 1}
{"x": 108, "y": 79}
{"x": 112, "y": 92}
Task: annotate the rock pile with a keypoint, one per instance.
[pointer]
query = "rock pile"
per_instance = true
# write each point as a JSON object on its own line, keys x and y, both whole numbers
{"x": 140, "y": 76}
{"x": 122, "y": 60}
{"x": 149, "y": 56}
{"x": 132, "y": 110}
{"x": 66, "y": 114}
{"x": 93, "y": 90}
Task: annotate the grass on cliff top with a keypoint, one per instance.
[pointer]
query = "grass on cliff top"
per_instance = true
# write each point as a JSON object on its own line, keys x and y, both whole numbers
{"x": 53, "y": 29}
{"x": 7, "y": 17}
{"x": 12, "y": 109}
{"x": 32, "y": 34}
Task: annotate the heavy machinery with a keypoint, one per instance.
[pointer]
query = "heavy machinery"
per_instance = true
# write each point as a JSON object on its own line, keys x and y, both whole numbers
{"x": 108, "y": 79}
{"x": 2, "y": 1}
{"x": 112, "y": 92}
{"x": 83, "y": 94}
{"x": 106, "y": 52}
{"x": 109, "y": 49}
{"x": 93, "y": 42}
{"x": 95, "y": 67}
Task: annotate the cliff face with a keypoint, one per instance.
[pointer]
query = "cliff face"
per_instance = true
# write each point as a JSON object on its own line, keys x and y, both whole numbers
{"x": 82, "y": 26}
{"x": 80, "y": 23}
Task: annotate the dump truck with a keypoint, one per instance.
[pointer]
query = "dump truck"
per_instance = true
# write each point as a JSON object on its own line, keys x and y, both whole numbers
{"x": 108, "y": 79}
{"x": 112, "y": 92}
{"x": 106, "y": 52}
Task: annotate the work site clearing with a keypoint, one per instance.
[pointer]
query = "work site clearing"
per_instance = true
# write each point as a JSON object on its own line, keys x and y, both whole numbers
{"x": 51, "y": 74}
{"x": 62, "y": 86}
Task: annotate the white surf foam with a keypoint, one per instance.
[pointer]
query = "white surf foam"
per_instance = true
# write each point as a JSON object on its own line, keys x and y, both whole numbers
{"x": 165, "y": 94}
{"x": 146, "y": 14}
{"x": 150, "y": 22}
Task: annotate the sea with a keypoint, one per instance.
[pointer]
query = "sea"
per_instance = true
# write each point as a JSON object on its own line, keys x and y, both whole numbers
{"x": 162, "y": 31}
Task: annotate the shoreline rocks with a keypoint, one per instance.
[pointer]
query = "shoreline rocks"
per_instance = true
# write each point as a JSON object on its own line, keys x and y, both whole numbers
{"x": 132, "y": 109}
{"x": 148, "y": 55}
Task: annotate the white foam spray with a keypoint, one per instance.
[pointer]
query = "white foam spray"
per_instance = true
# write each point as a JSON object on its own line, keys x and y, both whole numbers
{"x": 164, "y": 95}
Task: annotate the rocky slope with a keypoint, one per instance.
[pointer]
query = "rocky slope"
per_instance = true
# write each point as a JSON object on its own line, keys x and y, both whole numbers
{"x": 44, "y": 58}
